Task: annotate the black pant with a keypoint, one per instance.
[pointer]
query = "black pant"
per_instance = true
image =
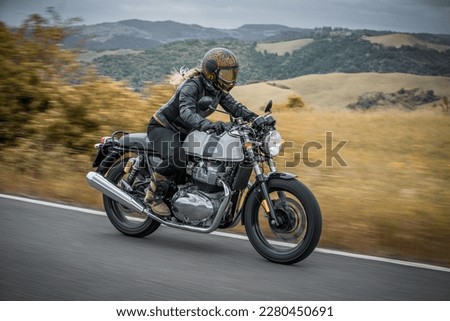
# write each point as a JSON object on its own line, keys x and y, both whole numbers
{"x": 168, "y": 144}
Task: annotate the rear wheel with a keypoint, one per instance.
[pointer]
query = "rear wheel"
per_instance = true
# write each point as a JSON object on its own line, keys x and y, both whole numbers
{"x": 125, "y": 220}
{"x": 299, "y": 222}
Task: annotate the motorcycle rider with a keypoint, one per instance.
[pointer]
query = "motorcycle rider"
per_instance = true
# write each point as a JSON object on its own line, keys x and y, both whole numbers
{"x": 170, "y": 124}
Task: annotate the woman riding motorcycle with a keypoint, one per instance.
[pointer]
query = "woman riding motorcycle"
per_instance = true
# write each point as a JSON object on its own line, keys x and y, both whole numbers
{"x": 170, "y": 125}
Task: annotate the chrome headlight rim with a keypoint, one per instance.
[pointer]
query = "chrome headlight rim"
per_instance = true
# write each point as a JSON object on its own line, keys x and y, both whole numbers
{"x": 273, "y": 143}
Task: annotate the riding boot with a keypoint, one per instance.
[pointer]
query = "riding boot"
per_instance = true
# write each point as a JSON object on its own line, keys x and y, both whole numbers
{"x": 155, "y": 193}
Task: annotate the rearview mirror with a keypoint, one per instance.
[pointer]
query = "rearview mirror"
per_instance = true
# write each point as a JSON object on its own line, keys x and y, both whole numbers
{"x": 268, "y": 107}
{"x": 205, "y": 103}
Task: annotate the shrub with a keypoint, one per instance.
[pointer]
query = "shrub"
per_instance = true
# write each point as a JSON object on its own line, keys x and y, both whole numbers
{"x": 295, "y": 101}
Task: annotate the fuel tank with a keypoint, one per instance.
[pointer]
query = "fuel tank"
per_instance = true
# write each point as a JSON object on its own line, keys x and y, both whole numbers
{"x": 222, "y": 147}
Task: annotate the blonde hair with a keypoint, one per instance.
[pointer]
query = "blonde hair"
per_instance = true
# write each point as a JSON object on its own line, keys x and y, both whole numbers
{"x": 178, "y": 76}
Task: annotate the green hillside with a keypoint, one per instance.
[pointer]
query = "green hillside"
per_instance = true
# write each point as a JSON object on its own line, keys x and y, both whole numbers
{"x": 330, "y": 51}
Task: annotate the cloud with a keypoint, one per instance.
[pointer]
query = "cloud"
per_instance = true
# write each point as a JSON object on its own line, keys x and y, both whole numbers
{"x": 397, "y": 15}
{"x": 438, "y": 3}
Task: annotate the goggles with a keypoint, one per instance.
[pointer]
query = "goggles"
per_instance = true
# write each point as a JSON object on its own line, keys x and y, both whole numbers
{"x": 227, "y": 77}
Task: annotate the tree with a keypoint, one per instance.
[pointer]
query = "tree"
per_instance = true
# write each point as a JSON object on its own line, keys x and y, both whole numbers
{"x": 32, "y": 64}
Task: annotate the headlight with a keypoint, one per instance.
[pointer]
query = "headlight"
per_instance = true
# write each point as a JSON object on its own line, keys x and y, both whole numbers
{"x": 272, "y": 143}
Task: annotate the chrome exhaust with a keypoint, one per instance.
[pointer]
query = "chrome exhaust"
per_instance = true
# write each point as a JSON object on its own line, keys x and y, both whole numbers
{"x": 100, "y": 183}
{"x": 104, "y": 186}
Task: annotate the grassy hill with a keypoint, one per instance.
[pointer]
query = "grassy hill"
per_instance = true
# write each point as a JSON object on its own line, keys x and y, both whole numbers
{"x": 336, "y": 90}
{"x": 399, "y": 40}
{"x": 323, "y": 53}
{"x": 281, "y": 48}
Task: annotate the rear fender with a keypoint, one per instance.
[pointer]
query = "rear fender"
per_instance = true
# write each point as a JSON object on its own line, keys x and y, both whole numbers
{"x": 110, "y": 160}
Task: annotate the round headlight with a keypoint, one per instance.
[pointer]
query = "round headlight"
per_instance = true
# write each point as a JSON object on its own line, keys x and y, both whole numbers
{"x": 272, "y": 143}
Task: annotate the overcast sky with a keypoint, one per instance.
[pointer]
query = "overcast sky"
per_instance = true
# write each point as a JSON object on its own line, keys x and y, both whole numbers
{"x": 431, "y": 16}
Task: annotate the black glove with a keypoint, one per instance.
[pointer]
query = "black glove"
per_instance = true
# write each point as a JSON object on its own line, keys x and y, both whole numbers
{"x": 219, "y": 127}
{"x": 249, "y": 116}
{"x": 252, "y": 119}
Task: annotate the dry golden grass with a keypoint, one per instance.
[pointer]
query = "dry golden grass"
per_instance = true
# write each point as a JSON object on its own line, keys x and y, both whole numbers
{"x": 280, "y": 48}
{"x": 337, "y": 90}
{"x": 392, "y": 40}
{"x": 400, "y": 39}
{"x": 265, "y": 92}
{"x": 392, "y": 199}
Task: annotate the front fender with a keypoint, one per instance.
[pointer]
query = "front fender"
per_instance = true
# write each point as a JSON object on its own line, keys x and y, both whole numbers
{"x": 282, "y": 175}
{"x": 254, "y": 188}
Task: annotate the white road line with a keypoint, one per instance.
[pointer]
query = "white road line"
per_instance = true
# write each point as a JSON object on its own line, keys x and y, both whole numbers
{"x": 50, "y": 204}
{"x": 241, "y": 237}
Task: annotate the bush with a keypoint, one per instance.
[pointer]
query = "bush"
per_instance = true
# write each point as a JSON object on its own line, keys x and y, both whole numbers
{"x": 410, "y": 99}
{"x": 295, "y": 101}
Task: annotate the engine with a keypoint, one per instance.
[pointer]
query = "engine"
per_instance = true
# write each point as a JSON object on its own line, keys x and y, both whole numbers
{"x": 205, "y": 174}
{"x": 198, "y": 201}
{"x": 191, "y": 205}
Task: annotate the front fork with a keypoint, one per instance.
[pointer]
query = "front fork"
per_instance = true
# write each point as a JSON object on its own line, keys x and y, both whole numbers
{"x": 266, "y": 202}
{"x": 261, "y": 181}
{"x": 273, "y": 169}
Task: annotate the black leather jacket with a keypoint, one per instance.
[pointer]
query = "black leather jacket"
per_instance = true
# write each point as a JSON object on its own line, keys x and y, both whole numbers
{"x": 181, "y": 113}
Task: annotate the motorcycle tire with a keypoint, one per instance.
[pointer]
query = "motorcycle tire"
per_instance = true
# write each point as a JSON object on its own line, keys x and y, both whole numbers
{"x": 298, "y": 231}
{"x": 125, "y": 220}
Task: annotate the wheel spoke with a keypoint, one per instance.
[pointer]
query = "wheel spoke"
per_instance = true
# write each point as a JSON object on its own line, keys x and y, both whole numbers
{"x": 292, "y": 227}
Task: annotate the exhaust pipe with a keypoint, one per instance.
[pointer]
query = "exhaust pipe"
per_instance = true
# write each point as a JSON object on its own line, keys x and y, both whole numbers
{"x": 100, "y": 183}
{"x": 104, "y": 186}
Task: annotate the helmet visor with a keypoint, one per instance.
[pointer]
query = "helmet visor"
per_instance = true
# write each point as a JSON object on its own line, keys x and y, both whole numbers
{"x": 227, "y": 77}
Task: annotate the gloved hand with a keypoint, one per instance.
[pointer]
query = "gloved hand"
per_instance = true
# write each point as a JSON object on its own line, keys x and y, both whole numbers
{"x": 252, "y": 118}
{"x": 219, "y": 127}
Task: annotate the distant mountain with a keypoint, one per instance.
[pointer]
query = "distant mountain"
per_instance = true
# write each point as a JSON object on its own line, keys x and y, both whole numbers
{"x": 142, "y": 35}
{"x": 140, "y": 51}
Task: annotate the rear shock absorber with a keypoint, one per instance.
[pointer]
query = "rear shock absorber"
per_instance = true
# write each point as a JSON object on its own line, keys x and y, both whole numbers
{"x": 131, "y": 168}
{"x": 134, "y": 169}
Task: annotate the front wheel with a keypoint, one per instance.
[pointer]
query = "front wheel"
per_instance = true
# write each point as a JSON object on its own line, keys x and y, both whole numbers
{"x": 299, "y": 226}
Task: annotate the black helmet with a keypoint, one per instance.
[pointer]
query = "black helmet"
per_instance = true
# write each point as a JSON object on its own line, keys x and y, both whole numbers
{"x": 221, "y": 67}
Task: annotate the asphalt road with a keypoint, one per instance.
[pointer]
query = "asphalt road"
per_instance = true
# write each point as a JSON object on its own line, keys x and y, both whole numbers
{"x": 49, "y": 253}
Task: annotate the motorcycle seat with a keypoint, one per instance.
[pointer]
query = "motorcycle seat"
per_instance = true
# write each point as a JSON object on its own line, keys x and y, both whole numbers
{"x": 137, "y": 141}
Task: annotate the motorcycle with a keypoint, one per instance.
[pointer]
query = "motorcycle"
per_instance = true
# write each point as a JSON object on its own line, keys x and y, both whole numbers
{"x": 228, "y": 179}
